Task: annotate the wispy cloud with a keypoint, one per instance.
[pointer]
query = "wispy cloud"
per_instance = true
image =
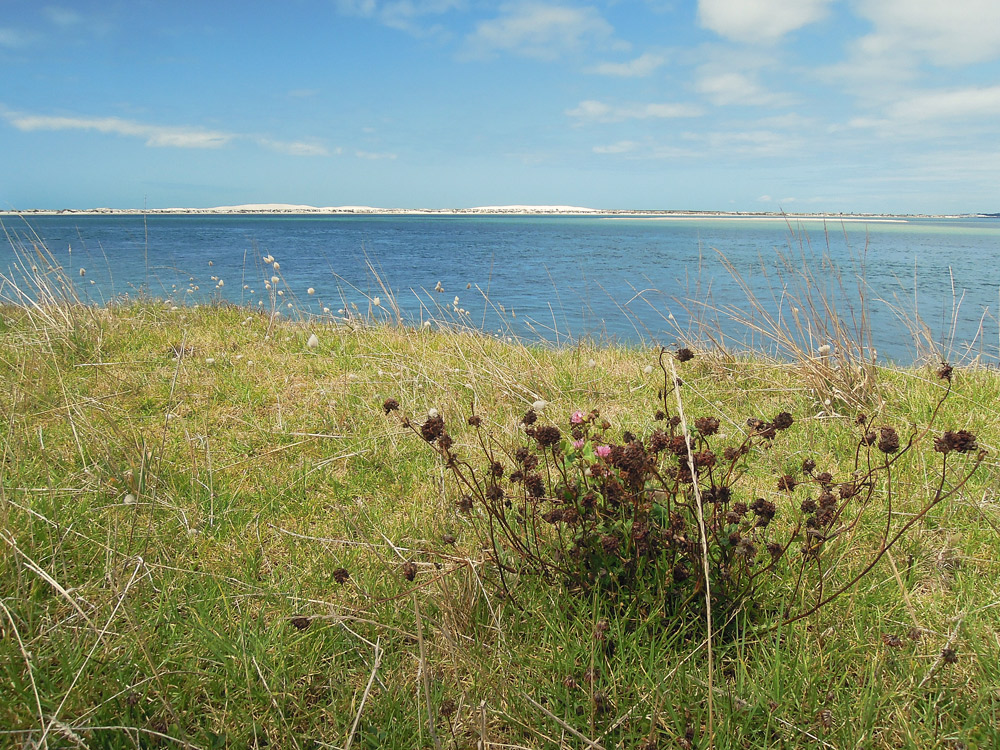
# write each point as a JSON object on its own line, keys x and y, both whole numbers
{"x": 294, "y": 148}
{"x": 952, "y": 33}
{"x": 403, "y": 15}
{"x": 642, "y": 66}
{"x": 633, "y": 150}
{"x": 760, "y": 21}
{"x": 374, "y": 155}
{"x": 14, "y": 39}
{"x": 621, "y": 147}
{"x": 730, "y": 144}
{"x": 591, "y": 110}
{"x": 159, "y": 136}
{"x": 949, "y": 104}
{"x": 541, "y": 31}
{"x": 64, "y": 17}
{"x": 726, "y": 87}
{"x": 155, "y": 135}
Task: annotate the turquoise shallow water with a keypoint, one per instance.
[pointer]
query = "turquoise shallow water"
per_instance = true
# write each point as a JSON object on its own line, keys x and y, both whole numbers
{"x": 556, "y": 278}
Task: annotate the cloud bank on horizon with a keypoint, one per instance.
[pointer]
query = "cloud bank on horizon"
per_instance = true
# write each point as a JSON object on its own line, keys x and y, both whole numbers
{"x": 867, "y": 105}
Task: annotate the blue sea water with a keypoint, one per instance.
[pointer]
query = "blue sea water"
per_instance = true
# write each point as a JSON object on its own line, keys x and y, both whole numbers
{"x": 557, "y": 278}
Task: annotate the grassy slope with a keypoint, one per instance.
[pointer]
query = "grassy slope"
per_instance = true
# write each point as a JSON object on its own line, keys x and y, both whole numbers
{"x": 259, "y": 467}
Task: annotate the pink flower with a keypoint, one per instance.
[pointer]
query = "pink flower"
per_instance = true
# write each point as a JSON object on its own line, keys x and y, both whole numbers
{"x": 578, "y": 444}
{"x": 603, "y": 451}
{"x": 577, "y": 417}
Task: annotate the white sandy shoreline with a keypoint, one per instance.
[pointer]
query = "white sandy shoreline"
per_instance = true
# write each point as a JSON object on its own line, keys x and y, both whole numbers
{"x": 280, "y": 209}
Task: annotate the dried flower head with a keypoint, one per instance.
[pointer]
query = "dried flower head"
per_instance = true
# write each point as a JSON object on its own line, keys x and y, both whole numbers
{"x": 301, "y": 623}
{"x": 706, "y": 426}
{"x": 783, "y": 421}
{"x": 684, "y": 354}
{"x": 548, "y": 435}
{"x": 786, "y": 483}
{"x": 888, "y": 441}
{"x": 390, "y": 405}
{"x": 409, "y": 570}
{"x": 553, "y": 516}
{"x": 447, "y": 708}
{"x": 944, "y": 371}
{"x": 529, "y": 418}
{"x": 341, "y": 575}
{"x": 535, "y": 485}
{"x": 962, "y": 441}
{"x": 601, "y": 628}
{"x": 949, "y": 656}
{"x": 475, "y": 420}
{"x": 432, "y": 429}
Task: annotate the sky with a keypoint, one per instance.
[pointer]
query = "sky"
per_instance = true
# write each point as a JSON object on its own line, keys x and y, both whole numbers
{"x": 879, "y": 106}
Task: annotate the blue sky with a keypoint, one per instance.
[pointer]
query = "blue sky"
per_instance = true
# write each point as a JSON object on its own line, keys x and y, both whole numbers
{"x": 800, "y": 105}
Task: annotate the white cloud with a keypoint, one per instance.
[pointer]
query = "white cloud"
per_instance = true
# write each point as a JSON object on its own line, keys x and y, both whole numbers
{"x": 64, "y": 17}
{"x": 595, "y": 111}
{"x": 158, "y": 136}
{"x": 760, "y": 21}
{"x": 956, "y": 32}
{"x": 641, "y": 66}
{"x": 758, "y": 143}
{"x": 908, "y": 33}
{"x": 155, "y": 135}
{"x": 621, "y": 147}
{"x": 966, "y": 103}
{"x": 404, "y": 15}
{"x": 649, "y": 149}
{"x": 732, "y": 87}
{"x": 13, "y": 39}
{"x": 295, "y": 148}
{"x": 540, "y": 31}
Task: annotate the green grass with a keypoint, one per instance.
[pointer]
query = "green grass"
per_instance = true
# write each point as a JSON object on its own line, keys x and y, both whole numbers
{"x": 164, "y": 520}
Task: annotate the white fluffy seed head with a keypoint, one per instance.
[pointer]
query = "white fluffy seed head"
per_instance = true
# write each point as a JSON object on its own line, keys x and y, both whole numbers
{"x": 310, "y": 290}
{"x": 313, "y": 341}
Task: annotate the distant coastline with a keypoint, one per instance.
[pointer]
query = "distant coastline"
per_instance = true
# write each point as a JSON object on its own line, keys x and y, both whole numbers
{"x": 282, "y": 209}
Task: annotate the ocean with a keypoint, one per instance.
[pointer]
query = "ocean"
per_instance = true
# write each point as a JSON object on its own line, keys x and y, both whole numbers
{"x": 559, "y": 279}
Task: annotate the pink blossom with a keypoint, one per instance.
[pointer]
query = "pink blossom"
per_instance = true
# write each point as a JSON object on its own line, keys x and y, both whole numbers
{"x": 578, "y": 444}
{"x": 577, "y": 417}
{"x": 603, "y": 451}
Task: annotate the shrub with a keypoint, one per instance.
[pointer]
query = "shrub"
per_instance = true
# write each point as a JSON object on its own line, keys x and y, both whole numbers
{"x": 648, "y": 520}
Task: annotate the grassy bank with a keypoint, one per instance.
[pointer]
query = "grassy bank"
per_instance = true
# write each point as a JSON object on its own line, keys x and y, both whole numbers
{"x": 205, "y": 522}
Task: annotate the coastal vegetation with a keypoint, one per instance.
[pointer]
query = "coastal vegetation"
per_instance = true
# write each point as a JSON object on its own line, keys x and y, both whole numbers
{"x": 221, "y": 528}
